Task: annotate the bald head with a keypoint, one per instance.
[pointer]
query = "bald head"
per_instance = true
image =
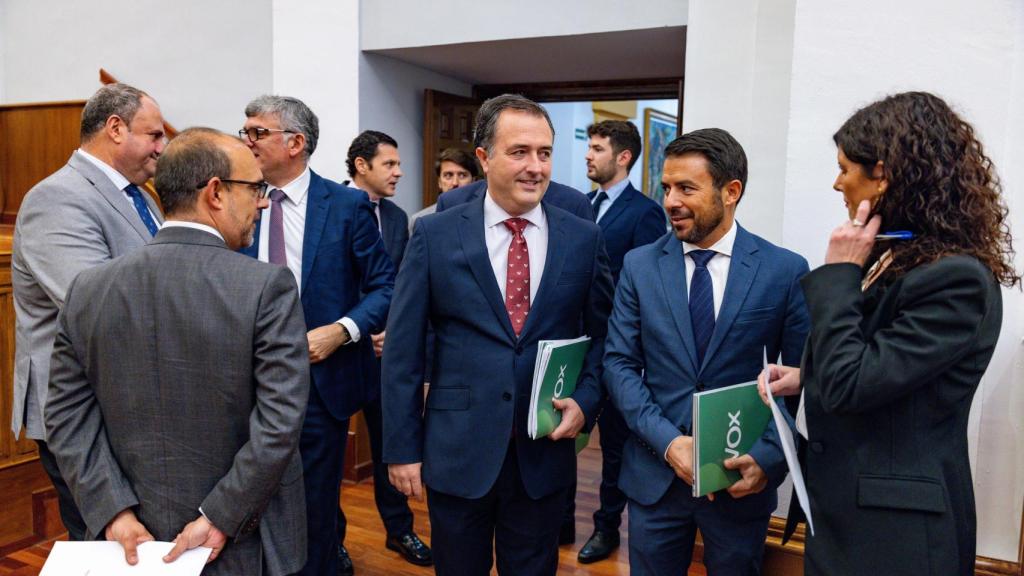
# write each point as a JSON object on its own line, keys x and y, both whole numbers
{"x": 189, "y": 162}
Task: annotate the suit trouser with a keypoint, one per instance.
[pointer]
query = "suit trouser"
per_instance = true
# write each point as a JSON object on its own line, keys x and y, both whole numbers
{"x": 522, "y": 532}
{"x": 69, "y": 513}
{"x": 661, "y": 536}
{"x": 322, "y": 446}
{"x": 392, "y": 505}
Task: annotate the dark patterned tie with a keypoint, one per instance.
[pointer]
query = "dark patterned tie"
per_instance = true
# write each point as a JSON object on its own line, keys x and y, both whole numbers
{"x": 277, "y": 254}
{"x": 517, "y": 277}
{"x": 141, "y": 207}
{"x": 702, "y": 302}
{"x": 598, "y": 200}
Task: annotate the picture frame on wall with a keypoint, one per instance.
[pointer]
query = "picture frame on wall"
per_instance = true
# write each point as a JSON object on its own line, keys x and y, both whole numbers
{"x": 659, "y": 130}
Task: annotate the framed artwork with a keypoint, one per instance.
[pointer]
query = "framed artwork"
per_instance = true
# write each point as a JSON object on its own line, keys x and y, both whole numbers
{"x": 659, "y": 130}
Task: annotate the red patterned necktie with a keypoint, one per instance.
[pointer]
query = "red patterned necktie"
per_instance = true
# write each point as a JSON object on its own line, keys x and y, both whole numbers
{"x": 517, "y": 277}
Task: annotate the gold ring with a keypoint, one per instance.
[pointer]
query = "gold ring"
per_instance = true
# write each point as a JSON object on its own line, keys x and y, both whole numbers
{"x": 857, "y": 223}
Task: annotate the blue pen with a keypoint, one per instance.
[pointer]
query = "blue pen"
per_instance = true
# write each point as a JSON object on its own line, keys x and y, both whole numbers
{"x": 895, "y": 235}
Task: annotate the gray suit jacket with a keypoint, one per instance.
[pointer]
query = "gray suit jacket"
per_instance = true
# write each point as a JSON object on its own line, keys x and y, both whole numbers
{"x": 179, "y": 380}
{"x": 74, "y": 219}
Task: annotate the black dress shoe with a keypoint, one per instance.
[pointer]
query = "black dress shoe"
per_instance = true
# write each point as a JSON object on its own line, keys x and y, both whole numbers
{"x": 345, "y": 567}
{"x": 567, "y": 534}
{"x": 411, "y": 548}
{"x": 600, "y": 546}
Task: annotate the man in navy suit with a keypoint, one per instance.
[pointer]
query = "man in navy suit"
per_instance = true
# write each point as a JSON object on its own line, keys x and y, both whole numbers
{"x": 326, "y": 235}
{"x": 493, "y": 276}
{"x": 375, "y": 167}
{"x": 694, "y": 311}
{"x": 565, "y": 197}
{"x": 628, "y": 220}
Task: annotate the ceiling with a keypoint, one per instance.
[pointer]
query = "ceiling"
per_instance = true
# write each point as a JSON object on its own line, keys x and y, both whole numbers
{"x": 627, "y": 54}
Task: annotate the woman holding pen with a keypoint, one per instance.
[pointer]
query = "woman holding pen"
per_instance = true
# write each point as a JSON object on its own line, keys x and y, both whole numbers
{"x": 903, "y": 326}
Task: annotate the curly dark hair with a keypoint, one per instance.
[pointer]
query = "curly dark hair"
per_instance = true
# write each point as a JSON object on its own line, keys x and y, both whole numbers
{"x": 941, "y": 185}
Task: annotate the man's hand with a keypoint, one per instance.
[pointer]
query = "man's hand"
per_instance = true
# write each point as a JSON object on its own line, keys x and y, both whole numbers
{"x": 406, "y": 478}
{"x": 323, "y": 341}
{"x": 680, "y": 457}
{"x": 754, "y": 479}
{"x": 572, "y": 419}
{"x": 126, "y": 530}
{"x": 785, "y": 381}
{"x": 199, "y": 532}
{"x": 378, "y": 343}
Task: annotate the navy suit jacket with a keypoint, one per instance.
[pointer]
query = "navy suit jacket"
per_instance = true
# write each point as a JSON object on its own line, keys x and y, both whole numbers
{"x": 481, "y": 376}
{"x": 345, "y": 272}
{"x": 394, "y": 229}
{"x": 651, "y": 370}
{"x": 633, "y": 220}
{"x": 565, "y": 197}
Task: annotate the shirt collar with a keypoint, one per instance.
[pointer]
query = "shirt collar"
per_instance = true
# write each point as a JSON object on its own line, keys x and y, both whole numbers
{"x": 615, "y": 191}
{"x": 115, "y": 177}
{"x": 296, "y": 189}
{"x": 193, "y": 225}
{"x": 723, "y": 246}
{"x": 494, "y": 214}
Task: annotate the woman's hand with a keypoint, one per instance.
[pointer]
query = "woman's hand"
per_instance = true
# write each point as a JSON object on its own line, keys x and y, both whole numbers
{"x": 785, "y": 381}
{"x": 852, "y": 242}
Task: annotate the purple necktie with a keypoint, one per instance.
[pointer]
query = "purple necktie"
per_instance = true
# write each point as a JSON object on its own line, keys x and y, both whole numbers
{"x": 277, "y": 254}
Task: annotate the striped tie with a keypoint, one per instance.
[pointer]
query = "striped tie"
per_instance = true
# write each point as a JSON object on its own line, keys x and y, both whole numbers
{"x": 702, "y": 302}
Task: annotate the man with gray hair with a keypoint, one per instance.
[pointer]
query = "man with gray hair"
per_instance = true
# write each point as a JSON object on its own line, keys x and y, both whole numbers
{"x": 88, "y": 212}
{"x": 327, "y": 236}
{"x": 180, "y": 377}
{"x": 493, "y": 276}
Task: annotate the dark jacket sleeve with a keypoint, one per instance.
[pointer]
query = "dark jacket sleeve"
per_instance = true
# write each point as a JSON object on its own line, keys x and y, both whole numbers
{"x": 376, "y": 274}
{"x": 589, "y": 391}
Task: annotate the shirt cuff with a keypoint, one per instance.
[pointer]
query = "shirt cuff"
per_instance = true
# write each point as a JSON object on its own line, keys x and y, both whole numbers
{"x": 353, "y": 330}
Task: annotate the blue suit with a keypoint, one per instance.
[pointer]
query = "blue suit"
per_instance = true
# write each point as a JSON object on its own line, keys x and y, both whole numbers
{"x": 472, "y": 438}
{"x": 565, "y": 197}
{"x": 345, "y": 272}
{"x": 651, "y": 374}
{"x": 631, "y": 221}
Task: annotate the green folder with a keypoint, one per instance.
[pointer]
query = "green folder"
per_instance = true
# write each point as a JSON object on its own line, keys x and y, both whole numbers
{"x": 726, "y": 423}
{"x": 558, "y": 367}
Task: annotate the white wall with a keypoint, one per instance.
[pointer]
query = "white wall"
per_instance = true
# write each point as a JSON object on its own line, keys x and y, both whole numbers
{"x": 391, "y": 101}
{"x": 408, "y": 23}
{"x": 3, "y": 52}
{"x": 742, "y": 86}
{"x": 844, "y": 58}
{"x": 202, "y": 70}
{"x": 316, "y": 59}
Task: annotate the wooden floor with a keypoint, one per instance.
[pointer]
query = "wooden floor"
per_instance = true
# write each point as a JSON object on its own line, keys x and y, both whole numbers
{"x": 365, "y": 539}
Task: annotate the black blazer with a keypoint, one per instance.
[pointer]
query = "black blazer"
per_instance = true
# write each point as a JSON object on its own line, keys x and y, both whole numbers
{"x": 889, "y": 375}
{"x": 394, "y": 229}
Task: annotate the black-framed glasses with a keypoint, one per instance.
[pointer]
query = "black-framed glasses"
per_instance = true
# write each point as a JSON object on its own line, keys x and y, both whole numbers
{"x": 253, "y": 133}
{"x": 260, "y": 188}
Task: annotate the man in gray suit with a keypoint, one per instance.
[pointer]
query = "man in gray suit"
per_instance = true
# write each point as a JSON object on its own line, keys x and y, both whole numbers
{"x": 86, "y": 213}
{"x": 180, "y": 376}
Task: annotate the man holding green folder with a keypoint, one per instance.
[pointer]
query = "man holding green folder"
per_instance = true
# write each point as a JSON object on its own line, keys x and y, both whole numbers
{"x": 693, "y": 312}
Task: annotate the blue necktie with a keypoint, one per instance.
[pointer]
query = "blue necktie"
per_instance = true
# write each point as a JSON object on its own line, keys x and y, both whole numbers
{"x": 702, "y": 302}
{"x": 142, "y": 208}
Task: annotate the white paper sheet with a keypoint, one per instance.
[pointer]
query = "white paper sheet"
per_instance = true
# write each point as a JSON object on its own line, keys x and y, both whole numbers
{"x": 107, "y": 559}
{"x": 789, "y": 449}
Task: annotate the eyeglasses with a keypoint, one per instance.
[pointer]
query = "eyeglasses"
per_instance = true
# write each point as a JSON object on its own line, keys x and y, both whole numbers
{"x": 260, "y": 188}
{"x": 253, "y": 134}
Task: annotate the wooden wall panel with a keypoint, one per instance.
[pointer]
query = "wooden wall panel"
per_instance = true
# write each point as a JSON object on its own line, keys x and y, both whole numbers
{"x": 35, "y": 141}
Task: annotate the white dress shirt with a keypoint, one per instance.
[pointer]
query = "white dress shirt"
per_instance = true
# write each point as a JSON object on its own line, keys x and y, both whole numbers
{"x": 613, "y": 193}
{"x": 498, "y": 238}
{"x": 116, "y": 178}
{"x": 718, "y": 267}
{"x": 293, "y": 216}
{"x": 193, "y": 225}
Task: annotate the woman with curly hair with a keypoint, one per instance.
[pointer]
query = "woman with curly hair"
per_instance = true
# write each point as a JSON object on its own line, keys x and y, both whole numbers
{"x": 903, "y": 326}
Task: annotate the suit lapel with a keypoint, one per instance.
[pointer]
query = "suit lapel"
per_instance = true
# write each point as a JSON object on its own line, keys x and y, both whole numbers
{"x": 553, "y": 262}
{"x": 316, "y": 216}
{"x": 111, "y": 194}
{"x": 742, "y": 269}
{"x": 673, "y": 281}
{"x": 618, "y": 208}
{"x": 474, "y": 246}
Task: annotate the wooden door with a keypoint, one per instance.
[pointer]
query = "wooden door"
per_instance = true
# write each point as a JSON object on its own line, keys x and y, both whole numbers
{"x": 448, "y": 122}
